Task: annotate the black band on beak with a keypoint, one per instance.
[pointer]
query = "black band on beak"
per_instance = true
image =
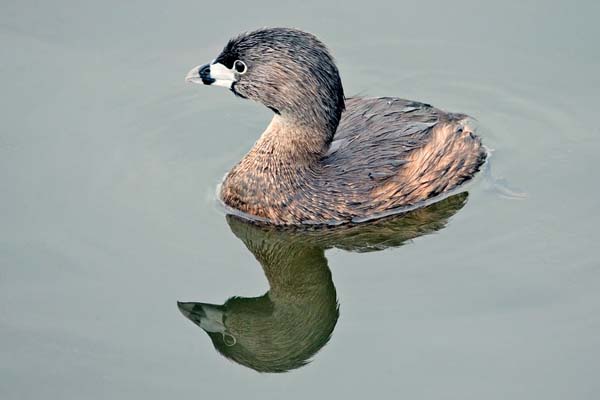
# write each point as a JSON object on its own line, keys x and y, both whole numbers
{"x": 204, "y": 73}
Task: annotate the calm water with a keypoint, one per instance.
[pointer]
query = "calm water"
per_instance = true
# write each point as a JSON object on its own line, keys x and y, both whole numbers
{"x": 108, "y": 168}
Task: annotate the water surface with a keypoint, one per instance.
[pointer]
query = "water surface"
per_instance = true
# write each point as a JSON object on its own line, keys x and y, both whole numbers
{"x": 108, "y": 168}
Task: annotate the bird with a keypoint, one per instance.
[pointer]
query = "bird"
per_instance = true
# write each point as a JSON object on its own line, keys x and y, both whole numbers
{"x": 325, "y": 159}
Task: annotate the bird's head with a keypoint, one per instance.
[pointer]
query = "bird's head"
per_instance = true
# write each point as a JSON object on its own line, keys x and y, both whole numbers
{"x": 288, "y": 70}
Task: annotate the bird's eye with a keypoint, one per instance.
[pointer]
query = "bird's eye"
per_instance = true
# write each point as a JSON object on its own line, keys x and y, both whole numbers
{"x": 240, "y": 67}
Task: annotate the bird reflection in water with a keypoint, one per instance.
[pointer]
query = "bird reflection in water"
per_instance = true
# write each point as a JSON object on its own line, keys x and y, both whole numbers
{"x": 282, "y": 329}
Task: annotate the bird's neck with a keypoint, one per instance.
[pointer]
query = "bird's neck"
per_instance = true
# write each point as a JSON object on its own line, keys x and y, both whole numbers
{"x": 283, "y": 163}
{"x": 291, "y": 140}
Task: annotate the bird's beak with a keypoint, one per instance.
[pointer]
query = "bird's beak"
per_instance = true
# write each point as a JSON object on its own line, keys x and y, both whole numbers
{"x": 207, "y": 316}
{"x": 215, "y": 74}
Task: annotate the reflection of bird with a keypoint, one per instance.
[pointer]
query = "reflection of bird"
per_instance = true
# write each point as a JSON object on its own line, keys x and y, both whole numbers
{"x": 282, "y": 329}
{"x": 324, "y": 159}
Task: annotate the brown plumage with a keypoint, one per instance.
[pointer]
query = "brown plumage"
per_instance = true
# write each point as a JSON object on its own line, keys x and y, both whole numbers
{"x": 324, "y": 159}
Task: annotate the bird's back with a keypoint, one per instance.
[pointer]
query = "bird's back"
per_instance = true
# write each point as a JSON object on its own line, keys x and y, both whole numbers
{"x": 389, "y": 153}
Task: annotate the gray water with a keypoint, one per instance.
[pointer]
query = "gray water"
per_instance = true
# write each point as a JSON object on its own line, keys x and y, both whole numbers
{"x": 108, "y": 169}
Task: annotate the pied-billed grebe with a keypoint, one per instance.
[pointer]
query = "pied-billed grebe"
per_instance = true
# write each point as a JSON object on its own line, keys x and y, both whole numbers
{"x": 324, "y": 158}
